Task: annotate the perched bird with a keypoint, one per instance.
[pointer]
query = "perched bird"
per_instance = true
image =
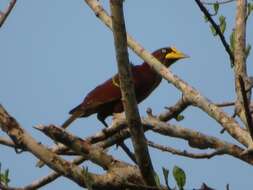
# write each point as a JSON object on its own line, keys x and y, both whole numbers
{"x": 105, "y": 99}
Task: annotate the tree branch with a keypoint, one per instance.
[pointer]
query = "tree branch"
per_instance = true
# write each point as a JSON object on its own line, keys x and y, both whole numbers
{"x": 219, "y": 2}
{"x": 189, "y": 92}
{"x": 119, "y": 176}
{"x": 240, "y": 68}
{"x": 225, "y": 104}
{"x": 196, "y": 139}
{"x": 22, "y": 139}
{"x": 217, "y": 29}
{"x": 7, "y": 142}
{"x": 175, "y": 110}
{"x": 5, "y": 14}
{"x": 128, "y": 95}
{"x": 82, "y": 147}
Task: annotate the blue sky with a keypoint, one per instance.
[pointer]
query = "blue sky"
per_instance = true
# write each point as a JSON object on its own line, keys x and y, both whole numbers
{"x": 54, "y": 52}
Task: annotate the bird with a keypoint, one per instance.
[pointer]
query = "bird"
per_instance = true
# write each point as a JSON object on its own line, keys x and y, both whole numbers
{"x": 105, "y": 99}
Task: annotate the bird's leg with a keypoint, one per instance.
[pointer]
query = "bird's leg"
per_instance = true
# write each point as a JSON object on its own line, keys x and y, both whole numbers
{"x": 104, "y": 123}
{"x": 121, "y": 144}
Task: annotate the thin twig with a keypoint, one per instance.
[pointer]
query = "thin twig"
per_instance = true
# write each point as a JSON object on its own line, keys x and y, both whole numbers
{"x": 50, "y": 177}
{"x": 7, "y": 142}
{"x": 5, "y": 14}
{"x": 80, "y": 146}
{"x": 23, "y": 139}
{"x": 186, "y": 153}
{"x": 217, "y": 29}
{"x": 225, "y": 104}
{"x": 219, "y": 2}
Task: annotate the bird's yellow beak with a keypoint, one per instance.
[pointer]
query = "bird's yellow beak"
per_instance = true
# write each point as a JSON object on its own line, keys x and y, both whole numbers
{"x": 175, "y": 54}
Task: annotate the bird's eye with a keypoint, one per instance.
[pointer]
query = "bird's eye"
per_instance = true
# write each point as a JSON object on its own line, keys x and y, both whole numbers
{"x": 163, "y": 50}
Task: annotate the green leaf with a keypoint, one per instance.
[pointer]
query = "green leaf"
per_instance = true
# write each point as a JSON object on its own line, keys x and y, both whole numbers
{"x": 249, "y": 8}
{"x": 213, "y": 30}
{"x": 216, "y": 7}
{"x": 206, "y": 18}
{"x": 247, "y": 51}
{"x": 222, "y": 19}
{"x": 232, "y": 41}
{"x": 166, "y": 177}
{"x": 179, "y": 117}
{"x": 179, "y": 176}
{"x": 4, "y": 177}
{"x": 223, "y": 26}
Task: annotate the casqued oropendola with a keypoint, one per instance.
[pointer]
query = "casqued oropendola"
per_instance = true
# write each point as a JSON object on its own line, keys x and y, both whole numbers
{"x": 105, "y": 99}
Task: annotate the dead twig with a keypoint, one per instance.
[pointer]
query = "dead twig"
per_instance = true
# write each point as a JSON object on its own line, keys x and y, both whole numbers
{"x": 186, "y": 153}
{"x": 5, "y": 14}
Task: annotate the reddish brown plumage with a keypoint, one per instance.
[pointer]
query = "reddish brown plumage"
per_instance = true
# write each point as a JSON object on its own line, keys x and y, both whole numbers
{"x": 105, "y": 99}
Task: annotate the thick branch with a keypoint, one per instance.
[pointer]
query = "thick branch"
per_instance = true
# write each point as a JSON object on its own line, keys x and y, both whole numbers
{"x": 82, "y": 147}
{"x": 4, "y": 15}
{"x": 231, "y": 126}
{"x": 240, "y": 68}
{"x": 128, "y": 95}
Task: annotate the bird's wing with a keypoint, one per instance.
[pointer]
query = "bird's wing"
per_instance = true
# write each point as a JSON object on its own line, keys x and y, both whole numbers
{"x": 104, "y": 93}
{"x": 107, "y": 92}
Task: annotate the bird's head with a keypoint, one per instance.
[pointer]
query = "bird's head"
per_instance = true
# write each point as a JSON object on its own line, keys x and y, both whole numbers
{"x": 169, "y": 55}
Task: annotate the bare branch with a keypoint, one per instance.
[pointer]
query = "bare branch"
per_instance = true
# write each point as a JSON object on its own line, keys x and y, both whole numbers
{"x": 219, "y": 2}
{"x": 128, "y": 95}
{"x": 217, "y": 29}
{"x": 51, "y": 177}
{"x": 225, "y": 104}
{"x": 196, "y": 139}
{"x": 82, "y": 147}
{"x": 185, "y": 153}
{"x": 5, "y": 14}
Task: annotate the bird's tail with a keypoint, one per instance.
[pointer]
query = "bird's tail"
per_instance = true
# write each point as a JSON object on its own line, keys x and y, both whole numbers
{"x": 70, "y": 120}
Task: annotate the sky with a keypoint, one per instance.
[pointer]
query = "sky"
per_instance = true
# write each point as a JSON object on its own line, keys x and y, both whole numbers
{"x": 54, "y": 52}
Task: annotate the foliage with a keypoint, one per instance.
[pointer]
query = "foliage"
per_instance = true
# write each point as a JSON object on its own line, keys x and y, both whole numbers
{"x": 4, "y": 176}
{"x": 179, "y": 176}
